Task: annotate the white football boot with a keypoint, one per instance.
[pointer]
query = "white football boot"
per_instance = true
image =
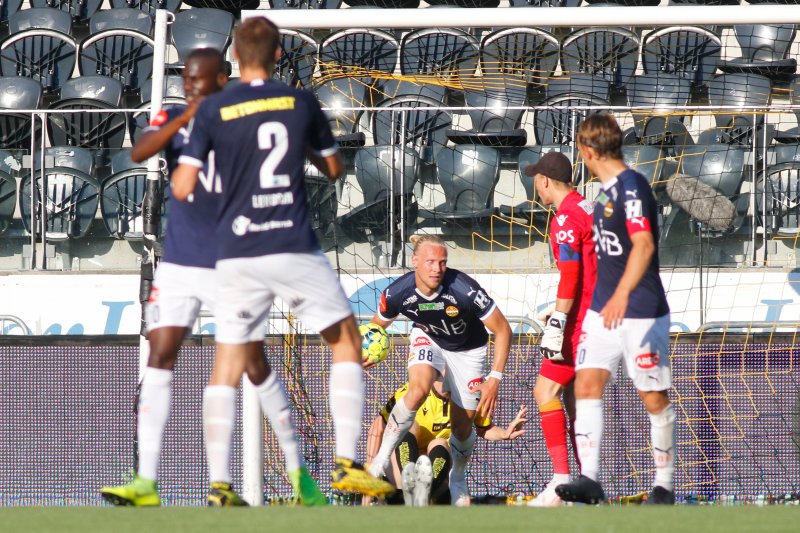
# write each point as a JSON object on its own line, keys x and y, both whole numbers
{"x": 424, "y": 480}
{"x": 548, "y": 497}
{"x": 459, "y": 493}
{"x": 409, "y": 483}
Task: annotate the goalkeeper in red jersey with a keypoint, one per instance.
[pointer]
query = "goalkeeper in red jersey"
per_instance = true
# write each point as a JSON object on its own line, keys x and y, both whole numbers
{"x": 573, "y": 249}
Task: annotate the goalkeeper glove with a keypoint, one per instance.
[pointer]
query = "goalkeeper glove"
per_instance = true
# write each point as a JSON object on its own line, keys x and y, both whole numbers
{"x": 553, "y": 336}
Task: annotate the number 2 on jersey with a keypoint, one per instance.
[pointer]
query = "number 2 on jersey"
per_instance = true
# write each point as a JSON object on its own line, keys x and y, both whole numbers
{"x": 273, "y": 136}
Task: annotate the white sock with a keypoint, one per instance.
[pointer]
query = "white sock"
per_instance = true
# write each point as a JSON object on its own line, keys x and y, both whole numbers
{"x": 461, "y": 451}
{"x": 589, "y": 434}
{"x": 560, "y": 479}
{"x": 662, "y": 428}
{"x": 276, "y": 407}
{"x": 347, "y": 402}
{"x": 153, "y": 410}
{"x": 219, "y": 414}
{"x": 400, "y": 421}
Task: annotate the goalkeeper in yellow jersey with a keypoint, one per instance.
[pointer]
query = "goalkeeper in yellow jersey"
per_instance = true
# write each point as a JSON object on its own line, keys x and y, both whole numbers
{"x": 420, "y": 464}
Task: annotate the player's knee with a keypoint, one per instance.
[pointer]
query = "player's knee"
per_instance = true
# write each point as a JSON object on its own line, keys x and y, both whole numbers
{"x": 588, "y": 388}
{"x": 544, "y": 394}
{"x": 162, "y": 358}
{"x": 415, "y": 396}
{"x": 655, "y": 401}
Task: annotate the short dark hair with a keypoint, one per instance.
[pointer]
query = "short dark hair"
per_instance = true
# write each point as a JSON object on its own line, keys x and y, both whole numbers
{"x": 601, "y": 132}
{"x": 209, "y": 54}
{"x": 256, "y": 41}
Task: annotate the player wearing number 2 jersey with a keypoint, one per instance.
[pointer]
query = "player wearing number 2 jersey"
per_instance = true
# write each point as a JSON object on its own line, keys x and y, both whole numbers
{"x": 629, "y": 316}
{"x": 573, "y": 249}
{"x": 261, "y": 132}
{"x": 448, "y": 340}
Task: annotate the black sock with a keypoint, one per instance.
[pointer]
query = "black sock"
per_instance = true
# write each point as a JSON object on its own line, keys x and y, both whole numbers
{"x": 441, "y": 462}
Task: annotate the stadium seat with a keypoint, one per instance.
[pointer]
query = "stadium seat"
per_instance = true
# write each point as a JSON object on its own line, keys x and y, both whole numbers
{"x": 305, "y": 4}
{"x": 389, "y": 4}
{"x": 119, "y": 46}
{"x": 148, "y": 6}
{"x": 98, "y": 130}
{"x": 545, "y": 3}
{"x": 173, "y": 95}
{"x": 647, "y": 160}
{"x": 686, "y": 51}
{"x": 498, "y": 125}
{"x": 531, "y": 209}
{"x": 8, "y": 8}
{"x": 609, "y": 53}
{"x": 356, "y": 52}
{"x": 392, "y": 88}
{"x": 342, "y": 93}
{"x": 660, "y": 94}
{"x": 233, "y": 7}
{"x": 39, "y": 47}
{"x": 321, "y": 194}
{"x": 81, "y": 10}
{"x": 421, "y": 124}
{"x": 780, "y": 202}
{"x": 298, "y": 59}
{"x": 738, "y": 90}
{"x": 121, "y": 198}
{"x": 446, "y": 53}
{"x": 8, "y": 189}
{"x": 706, "y": 2}
{"x": 468, "y": 175}
{"x": 71, "y": 195}
{"x": 529, "y": 53}
{"x": 16, "y": 94}
{"x": 628, "y": 3}
{"x": 386, "y": 176}
{"x": 555, "y": 126}
{"x": 765, "y": 48}
{"x": 201, "y": 28}
{"x": 464, "y": 3}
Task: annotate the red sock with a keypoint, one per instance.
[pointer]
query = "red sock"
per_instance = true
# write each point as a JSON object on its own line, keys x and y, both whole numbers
{"x": 554, "y": 428}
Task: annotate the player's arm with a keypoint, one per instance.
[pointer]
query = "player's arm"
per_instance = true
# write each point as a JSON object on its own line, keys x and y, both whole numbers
{"x": 513, "y": 431}
{"x": 194, "y": 154}
{"x": 496, "y": 323}
{"x": 156, "y": 138}
{"x": 184, "y": 179}
{"x": 639, "y": 260}
{"x": 569, "y": 276}
{"x": 331, "y": 166}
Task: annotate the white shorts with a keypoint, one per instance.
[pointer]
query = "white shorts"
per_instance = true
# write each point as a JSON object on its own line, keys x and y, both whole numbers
{"x": 178, "y": 293}
{"x": 247, "y": 286}
{"x": 642, "y": 342}
{"x": 463, "y": 371}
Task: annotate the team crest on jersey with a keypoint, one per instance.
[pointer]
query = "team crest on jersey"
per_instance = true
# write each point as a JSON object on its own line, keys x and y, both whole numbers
{"x": 473, "y": 385}
{"x": 608, "y": 209}
{"x": 451, "y": 311}
{"x": 646, "y": 361}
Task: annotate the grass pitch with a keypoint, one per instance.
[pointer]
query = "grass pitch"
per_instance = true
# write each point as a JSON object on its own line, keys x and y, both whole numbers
{"x": 494, "y": 519}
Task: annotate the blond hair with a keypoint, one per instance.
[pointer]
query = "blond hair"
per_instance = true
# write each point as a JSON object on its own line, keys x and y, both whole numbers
{"x": 418, "y": 241}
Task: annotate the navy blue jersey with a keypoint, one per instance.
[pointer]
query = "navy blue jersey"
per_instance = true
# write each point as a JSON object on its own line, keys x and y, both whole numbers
{"x": 451, "y": 316}
{"x": 191, "y": 224}
{"x": 260, "y": 133}
{"x": 626, "y": 206}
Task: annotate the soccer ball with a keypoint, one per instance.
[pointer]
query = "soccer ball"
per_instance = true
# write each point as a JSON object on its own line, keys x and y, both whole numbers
{"x": 374, "y": 343}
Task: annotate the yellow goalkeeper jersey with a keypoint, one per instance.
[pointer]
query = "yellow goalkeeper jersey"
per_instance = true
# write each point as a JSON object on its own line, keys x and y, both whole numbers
{"x": 433, "y": 417}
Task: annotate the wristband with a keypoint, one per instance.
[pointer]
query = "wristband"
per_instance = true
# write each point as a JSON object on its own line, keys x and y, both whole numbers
{"x": 496, "y": 375}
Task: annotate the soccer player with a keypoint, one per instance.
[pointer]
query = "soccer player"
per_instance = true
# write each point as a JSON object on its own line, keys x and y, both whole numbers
{"x": 421, "y": 462}
{"x": 451, "y": 313}
{"x": 573, "y": 249}
{"x": 183, "y": 282}
{"x": 628, "y": 318}
{"x": 261, "y": 132}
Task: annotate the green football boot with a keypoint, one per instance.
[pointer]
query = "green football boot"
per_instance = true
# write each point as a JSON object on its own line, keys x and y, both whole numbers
{"x": 140, "y": 492}
{"x": 223, "y": 495}
{"x": 306, "y": 489}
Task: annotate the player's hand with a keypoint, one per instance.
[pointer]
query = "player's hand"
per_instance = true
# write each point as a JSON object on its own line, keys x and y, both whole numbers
{"x": 191, "y": 109}
{"x": 488, "y": 403}
{"x": 544, "y": 315}
{"x": 553, "y": 337}
{"x": 614, "y": 311}
{"x": 366, "y": 364}
{"x": 514, "y": 429}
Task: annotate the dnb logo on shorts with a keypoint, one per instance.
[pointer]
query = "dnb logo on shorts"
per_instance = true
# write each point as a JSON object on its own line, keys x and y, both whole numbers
{"x": 646, "y": 361}
{"x": 451, "y": 311}
{"x": 473, "y": 385}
